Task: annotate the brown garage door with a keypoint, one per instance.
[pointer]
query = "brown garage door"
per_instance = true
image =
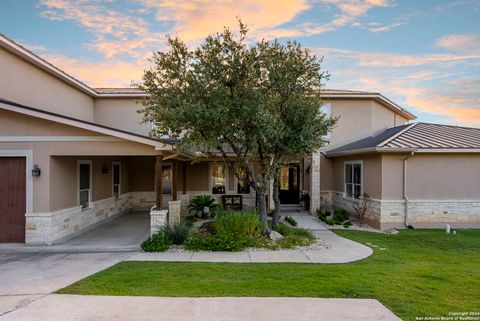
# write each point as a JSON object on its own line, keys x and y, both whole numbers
{"x": 12, "y": 199}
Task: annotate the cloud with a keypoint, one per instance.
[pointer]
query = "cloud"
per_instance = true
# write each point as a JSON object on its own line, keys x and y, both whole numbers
{"x": 383, "y": 59}
{"x": 114, "y": 32}
{"x": 104, "y": 73}
{"x": 461, "y": 43}
{"x": 378, "y": 28}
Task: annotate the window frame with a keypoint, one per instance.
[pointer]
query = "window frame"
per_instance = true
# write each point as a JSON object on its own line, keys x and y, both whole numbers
{"x": 119, "y": 179}
{"x": 354, "y": 162}
{"x": 90, "y": 163}
{"x": 210, "y": 177}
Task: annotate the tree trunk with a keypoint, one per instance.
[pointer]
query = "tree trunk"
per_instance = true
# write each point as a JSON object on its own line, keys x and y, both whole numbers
{"x": 276, "y": 200}
{"x": 262, "y": 209}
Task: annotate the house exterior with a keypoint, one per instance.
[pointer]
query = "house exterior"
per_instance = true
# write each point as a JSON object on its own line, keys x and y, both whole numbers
{"x": 73, "y": 157}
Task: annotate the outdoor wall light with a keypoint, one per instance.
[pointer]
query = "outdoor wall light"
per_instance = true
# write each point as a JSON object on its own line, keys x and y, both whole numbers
{"x": 36, "y": 170}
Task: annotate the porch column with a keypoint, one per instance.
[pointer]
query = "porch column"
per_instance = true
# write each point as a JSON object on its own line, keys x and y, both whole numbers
{"x": 159, "y": 180}
{"x": 184, "y": 177}
{"x": 315, "y": 182}
{"x": 174, "y": 179}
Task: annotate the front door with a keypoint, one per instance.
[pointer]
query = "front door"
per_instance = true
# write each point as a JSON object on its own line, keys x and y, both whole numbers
{"x": 12, "y": 199}
{"x": 289, "y": 184}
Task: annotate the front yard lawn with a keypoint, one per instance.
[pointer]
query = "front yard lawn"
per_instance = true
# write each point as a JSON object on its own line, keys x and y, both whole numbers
{"x": 415, "y": 273}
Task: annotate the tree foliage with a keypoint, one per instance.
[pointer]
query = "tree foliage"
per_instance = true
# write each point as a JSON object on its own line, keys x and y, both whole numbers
{"x": 253, "y": 106}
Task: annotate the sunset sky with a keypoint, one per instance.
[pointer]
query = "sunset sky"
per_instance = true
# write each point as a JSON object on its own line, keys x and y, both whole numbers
{"x": 424, "y": 55}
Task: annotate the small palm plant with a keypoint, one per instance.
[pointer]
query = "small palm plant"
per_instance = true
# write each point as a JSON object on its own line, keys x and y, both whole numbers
{"x": 203, "y": 204}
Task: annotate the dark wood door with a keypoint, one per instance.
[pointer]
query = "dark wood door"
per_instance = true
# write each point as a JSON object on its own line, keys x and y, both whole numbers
{"x": 12, "y": 199}
{"x": 290, "y": 184}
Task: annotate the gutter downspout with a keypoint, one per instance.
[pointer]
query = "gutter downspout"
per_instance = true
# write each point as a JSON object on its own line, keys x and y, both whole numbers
{"x": 405, "y": 197}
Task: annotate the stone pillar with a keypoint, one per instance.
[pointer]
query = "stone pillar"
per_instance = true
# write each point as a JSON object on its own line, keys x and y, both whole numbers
{"x": 158, "y": 218}
{"x": 185, "y": 201}
{"x": 174, "y": 212}
{"x": 315, "y": 182}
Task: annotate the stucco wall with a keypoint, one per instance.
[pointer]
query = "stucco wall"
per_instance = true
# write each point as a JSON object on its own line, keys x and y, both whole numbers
{"x": 433, "y": 176}
{"x": 121, "y": 113}
{"x": 372, "y": 172}
{"x": 360, "y": 118}
{"x": 26, "y": 84}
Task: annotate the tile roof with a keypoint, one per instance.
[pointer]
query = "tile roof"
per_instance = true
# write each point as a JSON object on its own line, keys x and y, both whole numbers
{"x": 415, "y": 137}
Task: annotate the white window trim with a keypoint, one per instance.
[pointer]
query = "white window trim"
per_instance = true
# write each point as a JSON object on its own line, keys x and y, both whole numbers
{"x": 119, "y": 178}
{"x": 210, "y": 181}
{"x": 361, "y": 178}
{"x": 83, "y": 161}
{"x": 28, "y": 154}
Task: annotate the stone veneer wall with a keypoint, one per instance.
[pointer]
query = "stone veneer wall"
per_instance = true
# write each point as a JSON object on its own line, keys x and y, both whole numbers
{"x": 52, "y": 227}
{"x": 386, "y": 214}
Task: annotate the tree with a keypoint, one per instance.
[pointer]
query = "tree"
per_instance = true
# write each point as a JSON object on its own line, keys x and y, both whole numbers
{"x": 243, "y": 104}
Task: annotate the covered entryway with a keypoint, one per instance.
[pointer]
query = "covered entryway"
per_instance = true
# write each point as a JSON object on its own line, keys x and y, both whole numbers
{"x": 12, "y": 199}
{"x": 290, "y": 184}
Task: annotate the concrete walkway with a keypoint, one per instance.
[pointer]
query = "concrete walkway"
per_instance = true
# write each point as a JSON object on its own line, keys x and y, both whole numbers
{"x": 107, "y": 308}
{"x": 340, "y": 250}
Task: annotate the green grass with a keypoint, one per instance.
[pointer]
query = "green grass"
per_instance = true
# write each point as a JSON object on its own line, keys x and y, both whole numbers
{"x": 421, "y": 273}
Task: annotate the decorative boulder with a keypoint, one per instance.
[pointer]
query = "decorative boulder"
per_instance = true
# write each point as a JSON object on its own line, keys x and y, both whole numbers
{"x": 392, "y": 231}
{"x": 275, "y": 236}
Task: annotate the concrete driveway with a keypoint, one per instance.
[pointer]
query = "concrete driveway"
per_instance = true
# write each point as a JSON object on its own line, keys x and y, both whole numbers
{"x": 26, "y": 277}
{"x": 122, "y": 234}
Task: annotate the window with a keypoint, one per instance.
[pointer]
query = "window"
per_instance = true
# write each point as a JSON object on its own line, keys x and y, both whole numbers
{"x": 242, "y": 186}
{"x": 218, "y": 178}
{"x": 354, "y": 179}
{"x": 84, "y": 183}
{"x": 327, "y": 110}
{"x": 116, "y": 169}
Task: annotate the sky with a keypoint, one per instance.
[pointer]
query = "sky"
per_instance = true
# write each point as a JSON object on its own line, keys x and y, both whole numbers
{"x": 422, "y": 54}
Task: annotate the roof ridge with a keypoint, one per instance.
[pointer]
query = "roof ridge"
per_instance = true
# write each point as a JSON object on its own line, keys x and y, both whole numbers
{"x": 446, "y": 125}
{"x": 388, "y": 140}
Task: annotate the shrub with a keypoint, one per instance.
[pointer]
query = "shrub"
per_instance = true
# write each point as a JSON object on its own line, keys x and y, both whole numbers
{"x": 189, "y": 220}
{"x": 198, "y": 203}
{"x": 293, "y": 237}
{"x": 237, "y": 223}
{"x": 156, "y": 243}
{"x": 219, "y": 242}
{"x": 347, "y": 224}
{"x": 340, "y": 215}
{"x": 177, "y": 233}
{"x": 329, "y": 221}
{"x": 291, "y": 220}
{"x": 322, "y": 215}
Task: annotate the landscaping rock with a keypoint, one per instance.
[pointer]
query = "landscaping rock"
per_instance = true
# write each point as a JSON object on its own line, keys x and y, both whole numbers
{"x": 392, "y": 231}
{"x": 275, "y": 236}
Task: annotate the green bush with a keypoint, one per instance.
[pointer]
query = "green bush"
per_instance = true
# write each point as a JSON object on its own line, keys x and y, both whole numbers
{"x": 219, "y": 242}
{"x": 329, "y": 221}
{"x": 238, "y": 223}
{"x": 291, "y": 220}
{"x": 176, "y": 233}
{"x": 156, "y": 243}
{"x": 322, "y": 215}
{"x": 340, "y": 215}
{"x": 189, "y": 220}
{"x": 347, "y": 224}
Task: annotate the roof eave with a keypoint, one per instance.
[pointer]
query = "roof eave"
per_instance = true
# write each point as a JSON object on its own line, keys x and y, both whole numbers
{"x": 379, "y": 98}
